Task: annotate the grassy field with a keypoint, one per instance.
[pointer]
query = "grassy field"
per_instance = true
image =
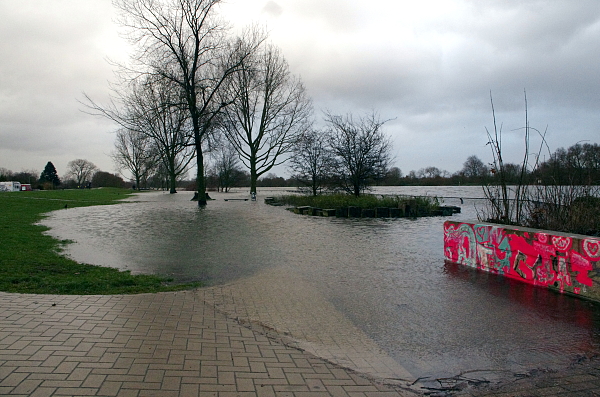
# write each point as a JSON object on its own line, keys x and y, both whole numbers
{"x": 30, "y": 262}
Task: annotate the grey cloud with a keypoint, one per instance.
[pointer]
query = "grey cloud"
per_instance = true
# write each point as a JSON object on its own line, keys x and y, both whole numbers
{"x": 272, "y": 9}
{"x": 50, "y": 53}
{"x": 337, "y": 15}
{"x": 434, "y": 77}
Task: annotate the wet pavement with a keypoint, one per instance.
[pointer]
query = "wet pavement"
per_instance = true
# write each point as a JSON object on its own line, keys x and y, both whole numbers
{"x": 215, "y": 342}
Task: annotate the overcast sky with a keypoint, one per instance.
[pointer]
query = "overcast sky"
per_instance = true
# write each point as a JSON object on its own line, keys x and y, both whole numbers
{"x": 426, "y": 65}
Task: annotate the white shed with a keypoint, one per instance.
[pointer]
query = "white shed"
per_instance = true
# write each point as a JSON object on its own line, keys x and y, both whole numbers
{"x": 10, "y": 186}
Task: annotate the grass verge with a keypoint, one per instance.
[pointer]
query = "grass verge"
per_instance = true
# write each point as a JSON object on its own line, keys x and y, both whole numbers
{"x": 30, "y": 262}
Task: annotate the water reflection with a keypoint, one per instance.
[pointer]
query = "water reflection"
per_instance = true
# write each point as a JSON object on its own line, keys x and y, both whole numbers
{"x": 386, "y": 276}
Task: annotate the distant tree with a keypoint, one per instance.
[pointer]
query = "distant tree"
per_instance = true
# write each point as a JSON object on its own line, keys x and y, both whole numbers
{"x": 5, "y": 175}
{"x": 226, "y": 168}
{"x": 361, "y": 148}
{"x": 473, "y": 167}
{"x": 106, "y": 179}
{"x": 430, "y": 172}
{"x": 26, "y": 177}
{"x": 512, "y": 172}
{"x": 134, "y": 152}
{"x": 159, "y": 177}
{"x": 393, "y": 177}
{"x": 312, "y": 163}
{"x": 272, "y": 180}
{"x": 49, "y": 175}
{"x": 81, "y": 171}
{"x": 242, "y": 178}
{"x": 576, "y": 165}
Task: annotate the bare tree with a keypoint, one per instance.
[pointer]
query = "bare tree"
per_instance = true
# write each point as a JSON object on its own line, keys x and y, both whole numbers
{"x": 134, "y": 151}
{"x": 226, "y": 165}
{"x": 183, "y": 42}
{"x": 154, "y": 108}
{"x": 81, "y": 171}
{"x": 311, "y": 162}
{"x": 362, "y": 150}
{"x": 269, "y": 113}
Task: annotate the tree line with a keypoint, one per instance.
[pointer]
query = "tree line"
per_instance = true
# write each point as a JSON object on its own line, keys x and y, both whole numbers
{"x": 196, "y": 96}
{"x": 80, "y": 174}
{"x": 578, "y": 164}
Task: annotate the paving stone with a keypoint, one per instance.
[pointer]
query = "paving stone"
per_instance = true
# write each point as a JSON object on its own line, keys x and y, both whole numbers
{"x": 177, "y": 344}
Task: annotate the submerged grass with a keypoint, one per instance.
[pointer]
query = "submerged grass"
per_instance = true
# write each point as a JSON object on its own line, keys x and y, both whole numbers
{"x": 30, "y": 262}
{"x": 365, "y": 201}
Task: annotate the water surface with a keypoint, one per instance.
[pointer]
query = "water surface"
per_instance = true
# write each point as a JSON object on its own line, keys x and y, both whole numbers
{"x": 388, "y": 277}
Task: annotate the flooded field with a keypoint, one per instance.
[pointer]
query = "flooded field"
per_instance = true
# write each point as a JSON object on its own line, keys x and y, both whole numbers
{"x": 386, "y": 278}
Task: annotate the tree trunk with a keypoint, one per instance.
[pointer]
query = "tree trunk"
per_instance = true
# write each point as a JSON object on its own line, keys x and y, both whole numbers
{"x": 172, "y": 180}
{"x": 173, "y": 184}
{"x": 200, "y": 182}
{"x": 253, "y": 176}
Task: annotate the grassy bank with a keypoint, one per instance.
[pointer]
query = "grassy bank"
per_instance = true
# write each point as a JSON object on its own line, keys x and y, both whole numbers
{"x": 30, "y": 262}
{"x": 364, "y": 201}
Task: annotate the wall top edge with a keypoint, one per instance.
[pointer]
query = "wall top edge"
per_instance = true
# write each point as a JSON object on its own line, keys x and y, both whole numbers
{"x": 517, "y": 229}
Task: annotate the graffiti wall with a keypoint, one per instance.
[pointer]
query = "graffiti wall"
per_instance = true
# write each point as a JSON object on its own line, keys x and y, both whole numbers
{"x": 566, "y": 263}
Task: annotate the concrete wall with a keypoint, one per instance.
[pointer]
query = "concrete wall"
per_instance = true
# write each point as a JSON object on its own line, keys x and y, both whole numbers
{"x": 566, "y": 263}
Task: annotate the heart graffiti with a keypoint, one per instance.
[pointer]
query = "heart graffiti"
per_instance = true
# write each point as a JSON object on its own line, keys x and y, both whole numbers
{"x": 591, "y": 248}
{"x": 561, "y": 243}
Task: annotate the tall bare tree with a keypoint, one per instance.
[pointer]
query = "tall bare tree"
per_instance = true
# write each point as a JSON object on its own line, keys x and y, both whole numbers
{"x": 362, "y": 150}
{"x": 270, "y": 111}
{"x": 81, "y": 171}
{"x": 184, "y": 42}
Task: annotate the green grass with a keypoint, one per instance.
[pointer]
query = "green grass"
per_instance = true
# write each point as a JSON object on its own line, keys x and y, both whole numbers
{"x": 365, "y": 201}
{"x": 30, "y": 262}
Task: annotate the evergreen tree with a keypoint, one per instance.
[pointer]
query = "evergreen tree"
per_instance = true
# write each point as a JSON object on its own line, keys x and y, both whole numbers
{"x": 50, "y": 175}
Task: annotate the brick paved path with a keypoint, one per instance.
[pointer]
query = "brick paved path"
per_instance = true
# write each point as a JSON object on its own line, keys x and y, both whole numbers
{"x": 167, "y": 344}
{"x": 177, "y": 344}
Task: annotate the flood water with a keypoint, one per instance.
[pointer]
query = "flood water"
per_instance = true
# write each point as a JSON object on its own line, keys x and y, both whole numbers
{"x": 388, "y": 277}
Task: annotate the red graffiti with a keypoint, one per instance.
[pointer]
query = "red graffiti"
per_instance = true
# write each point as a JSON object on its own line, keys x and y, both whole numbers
{"x": 538, "y": 258}
{"x": 561, "y": 243}
{"x": 581, "y": 266}
{"x": 591, "y": 248}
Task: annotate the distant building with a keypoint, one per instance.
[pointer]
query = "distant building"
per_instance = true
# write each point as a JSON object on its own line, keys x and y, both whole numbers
{"x": 11, "y": 186}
